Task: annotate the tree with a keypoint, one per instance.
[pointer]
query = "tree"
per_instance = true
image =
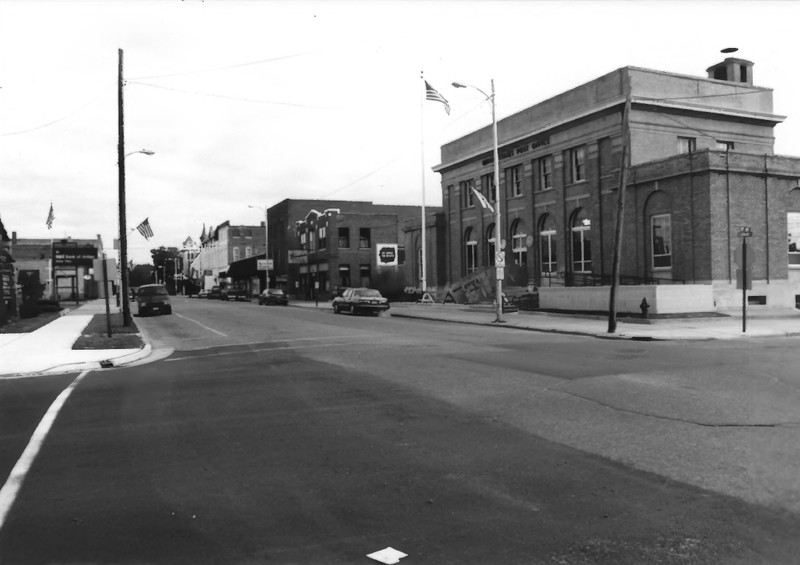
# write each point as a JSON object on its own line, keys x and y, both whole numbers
{"x": 165, "y": 260}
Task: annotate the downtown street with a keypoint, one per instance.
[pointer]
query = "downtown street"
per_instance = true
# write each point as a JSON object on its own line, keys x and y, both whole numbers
{"x": 283, "y": 435}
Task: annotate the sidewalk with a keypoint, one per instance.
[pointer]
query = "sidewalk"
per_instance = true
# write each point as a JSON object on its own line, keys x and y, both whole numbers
{"x": 760, "y": 323}
{"x": 49, "y": 349}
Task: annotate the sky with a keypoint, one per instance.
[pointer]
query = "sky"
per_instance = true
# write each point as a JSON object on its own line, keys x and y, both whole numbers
{"x": 247, "y": 103}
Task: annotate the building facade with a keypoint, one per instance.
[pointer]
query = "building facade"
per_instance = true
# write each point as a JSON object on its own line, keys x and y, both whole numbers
{"x": 701, "y": 161}
{"x": 221, "y": 246}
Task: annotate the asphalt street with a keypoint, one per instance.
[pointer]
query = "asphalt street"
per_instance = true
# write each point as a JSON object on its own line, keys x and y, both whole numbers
{"x": 275, "y": 435}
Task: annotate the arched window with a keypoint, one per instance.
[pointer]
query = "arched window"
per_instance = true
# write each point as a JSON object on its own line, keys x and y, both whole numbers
{"x": 581, "y": 242}
{"x": 547, "y": 244}
{"x": 490, "y": 246}
{"x": 470, "y": 252}
{"x": 519, "y": 245}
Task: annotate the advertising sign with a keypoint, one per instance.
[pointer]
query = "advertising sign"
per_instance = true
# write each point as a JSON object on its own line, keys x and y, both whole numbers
{"x": 298, "y": 256}
{"x": 387, "y": 254}
{"x": 263, "y": 264}
{"x": 74, "y": 255}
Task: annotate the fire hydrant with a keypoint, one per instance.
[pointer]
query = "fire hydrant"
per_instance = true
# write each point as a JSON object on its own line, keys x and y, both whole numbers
{"x": 645, "y": 307}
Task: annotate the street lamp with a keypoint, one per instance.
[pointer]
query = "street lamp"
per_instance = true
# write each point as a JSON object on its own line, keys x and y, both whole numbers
{"x": 266, "y": 239}
{"x": 499, "y": 252}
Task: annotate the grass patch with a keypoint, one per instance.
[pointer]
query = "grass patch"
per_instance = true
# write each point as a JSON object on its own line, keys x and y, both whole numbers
{"x": 95, "y": 335}
{"x": 27, "y": 325}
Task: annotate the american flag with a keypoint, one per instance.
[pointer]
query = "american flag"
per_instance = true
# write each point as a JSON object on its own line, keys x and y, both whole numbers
{"x": 482, "y": 199}
{"x": 432, "y": 94}
{"x": 50, "y": 217}
{"x": 145, "y": 229}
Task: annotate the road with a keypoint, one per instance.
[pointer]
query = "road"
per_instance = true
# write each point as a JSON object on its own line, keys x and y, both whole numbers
{"x": 290, "y": 435}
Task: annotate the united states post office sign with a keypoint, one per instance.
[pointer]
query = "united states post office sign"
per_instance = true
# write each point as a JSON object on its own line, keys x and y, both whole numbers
{"x": 74, "y": 256}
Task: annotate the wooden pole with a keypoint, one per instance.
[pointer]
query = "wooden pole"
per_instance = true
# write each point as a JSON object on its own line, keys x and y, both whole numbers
{"x": 623, "y": 179}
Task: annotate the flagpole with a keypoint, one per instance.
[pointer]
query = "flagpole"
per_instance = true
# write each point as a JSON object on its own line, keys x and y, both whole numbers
{"x": 422, "y": 154}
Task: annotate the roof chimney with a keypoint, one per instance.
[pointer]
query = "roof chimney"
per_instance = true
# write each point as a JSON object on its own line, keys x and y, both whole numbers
{"x": 732, "y": 69}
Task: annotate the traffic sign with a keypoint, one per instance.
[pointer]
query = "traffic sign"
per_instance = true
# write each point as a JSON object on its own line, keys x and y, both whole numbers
{"x": 500, "y": 259}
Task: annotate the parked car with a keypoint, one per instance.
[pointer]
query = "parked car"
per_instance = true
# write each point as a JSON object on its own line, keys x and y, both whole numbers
{"x": 215, "y": 292}
{"x": 234, "y": 293}
{"x": 273, "y": 296}
{"x": 153, "y": 299}
{"x": 203, "y": 293}
{"x": 360, "y": 300}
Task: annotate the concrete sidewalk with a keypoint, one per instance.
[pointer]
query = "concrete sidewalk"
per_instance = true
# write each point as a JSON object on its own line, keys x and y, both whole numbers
{"x": 760, "y": 323}
{"x": 49, "y": 349}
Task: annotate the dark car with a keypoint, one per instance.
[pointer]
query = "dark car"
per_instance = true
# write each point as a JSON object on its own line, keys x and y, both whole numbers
{"x": 215, "y": 292}
{"x": 360, "y": 300}
{"x": 153, "y": 299}
{"x": 273, "y": 296}
{"x": 234, "y": 292}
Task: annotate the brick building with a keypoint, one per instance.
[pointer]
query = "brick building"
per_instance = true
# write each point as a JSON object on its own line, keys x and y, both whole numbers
{"x": 702, "y": 166}
{"x": 339, "y": 247}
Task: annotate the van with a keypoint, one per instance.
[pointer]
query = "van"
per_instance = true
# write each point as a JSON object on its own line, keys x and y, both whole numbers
{"x": 153, "y": 299}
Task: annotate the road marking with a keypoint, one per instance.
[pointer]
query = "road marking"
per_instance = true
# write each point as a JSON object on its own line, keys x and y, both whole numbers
{"x": 8, "y": 493}
{"x": 201, "y": 325}
{"x": 261, "y": 350}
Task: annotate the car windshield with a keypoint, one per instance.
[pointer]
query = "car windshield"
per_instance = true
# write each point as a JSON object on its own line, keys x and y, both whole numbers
{"x": 153, "y": 291}
{"x": 275, "y": 292}
{"x": 368, "y": 292}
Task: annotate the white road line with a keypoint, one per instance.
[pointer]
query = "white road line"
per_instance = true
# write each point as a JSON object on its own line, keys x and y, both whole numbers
{"x": 8, "y": 493}
{"x": 201, "y": 325}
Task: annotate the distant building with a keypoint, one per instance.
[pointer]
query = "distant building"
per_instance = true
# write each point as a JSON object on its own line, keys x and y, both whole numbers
{"x": 221, "y": 246}
{"x": 325, "y": 244}
{"x": 702, "y": 166}
{"x": 72, "y": 272}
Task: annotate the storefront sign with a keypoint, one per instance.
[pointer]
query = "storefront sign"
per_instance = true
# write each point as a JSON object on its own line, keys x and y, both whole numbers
{"x": 74, "y": 255}
{"x": 387, "y": 254}
{"x": 298, "y": 256}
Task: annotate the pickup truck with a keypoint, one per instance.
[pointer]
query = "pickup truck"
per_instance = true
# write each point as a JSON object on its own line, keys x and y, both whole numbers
{"x": 234, "y": 293}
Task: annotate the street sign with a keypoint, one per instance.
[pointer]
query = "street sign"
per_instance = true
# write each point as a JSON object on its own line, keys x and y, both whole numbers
{"x": 499, "y": 259}
{"x": 264, "y": 264}
{"x": 501, "y": 273}
{"x": 387, "y": 254}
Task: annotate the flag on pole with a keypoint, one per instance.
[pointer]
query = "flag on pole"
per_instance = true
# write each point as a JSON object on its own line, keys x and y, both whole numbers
{"x": 145, "y": 229}
{"x": 482, "y": 199}
{"x": 50, "y": 217}
{"x": 432, "y": 94}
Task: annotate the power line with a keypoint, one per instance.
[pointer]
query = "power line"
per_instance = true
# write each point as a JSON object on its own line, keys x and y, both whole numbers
{"x": 223, "y": 96}
{"x": 53, "y": 122}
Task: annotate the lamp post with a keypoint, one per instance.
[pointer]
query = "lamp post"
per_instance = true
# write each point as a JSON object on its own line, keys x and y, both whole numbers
{"x": 266, "y": 240}
{"x": 498, "y": 244}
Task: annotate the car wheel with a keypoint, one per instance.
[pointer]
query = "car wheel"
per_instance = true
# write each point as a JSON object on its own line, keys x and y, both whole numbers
{"x": 336, "y": 309}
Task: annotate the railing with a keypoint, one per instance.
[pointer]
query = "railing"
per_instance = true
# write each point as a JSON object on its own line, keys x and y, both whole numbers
{"x": 596, "y": 279}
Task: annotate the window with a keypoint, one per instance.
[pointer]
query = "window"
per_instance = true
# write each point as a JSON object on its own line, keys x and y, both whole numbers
{"x": 577, "y": 164}
{"x": 344, "y": 275}
{"x": 514, "y": 180}
{"x": 364, "y": 238}
{"x": 547, "y": 244}
{"x": 322, "y": 234}
{"x": 544, "y": 167}
{"x": 468, "y": 198}
{"x": 248, "y": 251}
{"x": 490, "y": 246}
{"x": 470, "y": 252}
{"x": 725, "y": 145}
{"x": 311, "y": 240}
{"x": 519, "y": 245}
{"x": 488, "y": 188}
{"x": 248, "y": 233}
{"x": 793, "y": 225}
{"x": 234, "y": 233}
{"x": 687, "y": 144}
{"x": 661, "y": 243}
{"x": 236, "y": 253}
{"x": 344, "y": 238}
{"x": 581, "y": 242}
{"x": 364, "y": 274}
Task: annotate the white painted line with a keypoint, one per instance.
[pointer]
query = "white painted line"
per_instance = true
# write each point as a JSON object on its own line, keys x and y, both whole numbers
{"x": 201, "y": 325}
{"x": 8, "y": 493}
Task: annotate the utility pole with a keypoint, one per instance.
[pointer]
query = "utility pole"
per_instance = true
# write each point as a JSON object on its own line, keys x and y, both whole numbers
{"x": 623, "y": 180}
{"x": 123, "y": 229}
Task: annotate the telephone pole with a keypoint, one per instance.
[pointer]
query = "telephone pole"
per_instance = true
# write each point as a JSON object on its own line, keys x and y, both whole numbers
{"x": 123, "y": 236}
